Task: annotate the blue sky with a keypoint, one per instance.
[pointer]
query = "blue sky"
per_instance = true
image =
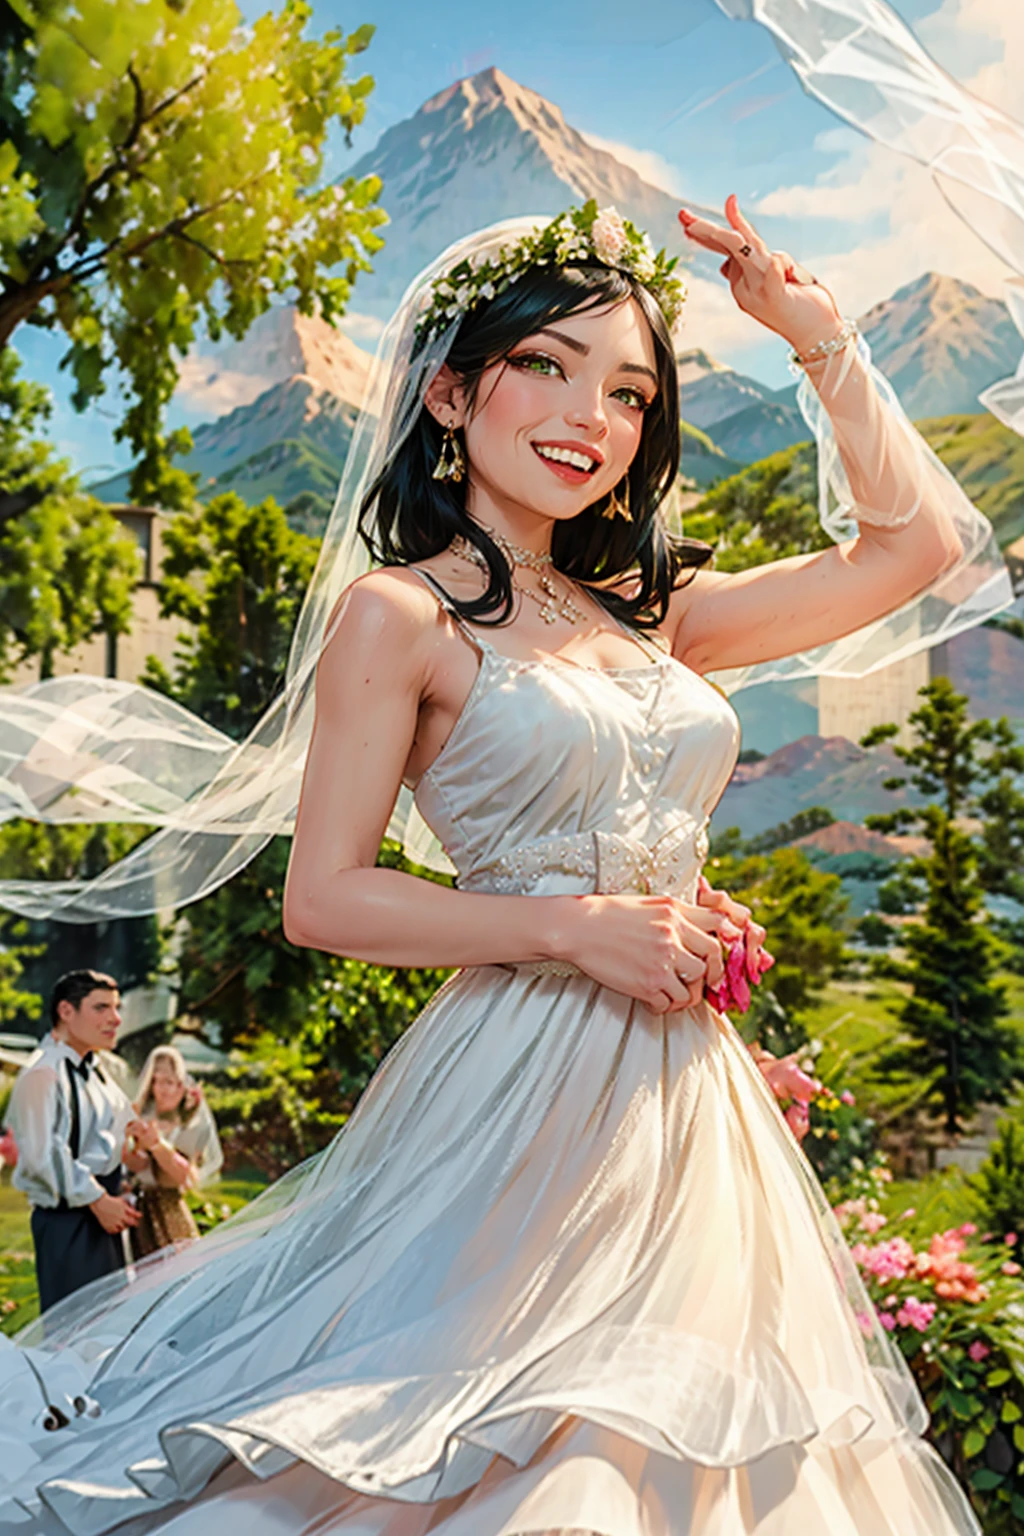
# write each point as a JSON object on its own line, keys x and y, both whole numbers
{"x": 701, "y": 104}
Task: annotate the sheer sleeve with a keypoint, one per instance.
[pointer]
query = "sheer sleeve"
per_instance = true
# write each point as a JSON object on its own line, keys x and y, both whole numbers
{"x": 46, "y": 1172}
{"x": 874, "y": 467}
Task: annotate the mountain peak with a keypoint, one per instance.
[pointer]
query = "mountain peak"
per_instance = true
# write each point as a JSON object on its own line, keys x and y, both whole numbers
{"x": 696, "y": 364}
{"x": 487, "y": 148}
{"x": 280, "y": 345}
{"x": 941, "y": 342}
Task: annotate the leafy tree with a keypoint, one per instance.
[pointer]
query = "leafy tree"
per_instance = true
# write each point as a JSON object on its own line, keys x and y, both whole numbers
{"x": 129, "y": 949}
{"x": 954, "y": 1016}
{"x": 159, "y": 164}
{"x": 766, "y": 512}
{"x": 803, "y": 910}
{"x": 67, "y": 568}
{"x": 802, "y": 824}
{"x": 237, "y": 574}
{"x": 999, "y": 1181}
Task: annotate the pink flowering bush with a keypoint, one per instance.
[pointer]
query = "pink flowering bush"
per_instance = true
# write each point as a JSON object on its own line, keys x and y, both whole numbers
{"x": 953, "y": 1303}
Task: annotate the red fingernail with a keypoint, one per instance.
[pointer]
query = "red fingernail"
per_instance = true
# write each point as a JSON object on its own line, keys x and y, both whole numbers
{"x": 686, "y": 217}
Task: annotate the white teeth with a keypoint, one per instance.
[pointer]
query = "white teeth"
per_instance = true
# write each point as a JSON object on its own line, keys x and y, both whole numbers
{"x": 566, "y": 456}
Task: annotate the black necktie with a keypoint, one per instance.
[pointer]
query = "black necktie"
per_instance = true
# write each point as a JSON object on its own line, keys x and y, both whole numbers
{"x": 87, "y": 1064}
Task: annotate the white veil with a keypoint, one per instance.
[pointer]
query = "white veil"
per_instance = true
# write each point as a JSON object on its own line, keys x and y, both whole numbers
{"x": 82, "y": 748}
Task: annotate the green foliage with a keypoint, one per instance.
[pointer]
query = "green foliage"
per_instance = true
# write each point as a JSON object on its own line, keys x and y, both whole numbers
{"x": 957, "y": 1039}
{"x": 801, "y": 825}
{"x": 803, "y": 910}
{"x": 769, "y": 509}
{"x": 237, "y": 574}
{"x": 67, "y": 569}
{"x": 270, "y": 1113}
{"x": 159, "y": 165}
{"x": 988, "y": 461}
{"x": 952, "y": 1303}
{"x": 129, "y": 949}
{"x": 999, "y": 1181}
{"x": 766, "y": 512}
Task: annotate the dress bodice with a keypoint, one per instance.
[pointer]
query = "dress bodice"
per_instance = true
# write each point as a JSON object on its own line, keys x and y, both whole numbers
{"x": 561, "y": 778}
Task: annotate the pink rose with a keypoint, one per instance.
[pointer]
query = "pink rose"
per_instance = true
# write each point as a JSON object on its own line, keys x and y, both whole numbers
{"x": 608, "y": 236}
{"x": 978, "y": 1351}
{"x": 1010, "y": 1268}
{"x": 968, "y": 1229}
{"x": 887, "y": 1321}
{"x": 872, "y": 1221}
{"x": 1010, "y": 1239}
{"x": 846, "y": 1097}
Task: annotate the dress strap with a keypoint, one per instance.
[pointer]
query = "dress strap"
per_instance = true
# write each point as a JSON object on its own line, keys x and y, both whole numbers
{"x": 654, "y": 652}
{"x": 447, "y": 606}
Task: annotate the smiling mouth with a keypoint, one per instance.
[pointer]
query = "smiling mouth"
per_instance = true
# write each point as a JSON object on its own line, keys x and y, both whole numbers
{"x": 573, "y": 464}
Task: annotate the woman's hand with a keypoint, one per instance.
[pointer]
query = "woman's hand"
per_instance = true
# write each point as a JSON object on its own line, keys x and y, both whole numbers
{"x": 144, "y": 1133}
{"x": 740, "y": 916}
{"x": 768, "y": 285}
{"x": 659, "y": 950}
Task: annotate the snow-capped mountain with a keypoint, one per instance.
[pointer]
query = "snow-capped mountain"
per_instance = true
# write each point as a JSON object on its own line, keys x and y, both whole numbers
{"x": 484, "y": 149}
{"x": 941, "y": 342}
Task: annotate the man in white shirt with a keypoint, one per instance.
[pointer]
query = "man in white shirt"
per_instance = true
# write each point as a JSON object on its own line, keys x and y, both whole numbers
{"x": 69, "y": 1119}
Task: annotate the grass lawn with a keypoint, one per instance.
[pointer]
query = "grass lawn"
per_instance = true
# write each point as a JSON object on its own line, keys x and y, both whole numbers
{"x": 855, "y": 1021}
{"x": 19, "y": 1302}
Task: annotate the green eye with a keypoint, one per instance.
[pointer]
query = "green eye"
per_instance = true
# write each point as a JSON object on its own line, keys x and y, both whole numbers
{"x": 537, "y": 362}
{"x": 632, "y": 397}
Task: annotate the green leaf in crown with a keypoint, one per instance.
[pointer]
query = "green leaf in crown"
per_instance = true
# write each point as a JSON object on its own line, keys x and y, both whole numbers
{"x": 578, "y": 235}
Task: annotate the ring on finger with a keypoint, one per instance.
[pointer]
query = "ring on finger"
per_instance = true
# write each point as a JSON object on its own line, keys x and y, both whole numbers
{"x": 746, "y": 250}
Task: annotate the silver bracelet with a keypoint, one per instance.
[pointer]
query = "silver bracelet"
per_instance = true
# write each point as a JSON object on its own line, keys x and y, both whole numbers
{"x": 823, "y": 349}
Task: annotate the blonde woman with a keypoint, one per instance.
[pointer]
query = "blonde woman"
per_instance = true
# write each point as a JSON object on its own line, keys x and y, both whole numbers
{"x": 176, "y": 1148}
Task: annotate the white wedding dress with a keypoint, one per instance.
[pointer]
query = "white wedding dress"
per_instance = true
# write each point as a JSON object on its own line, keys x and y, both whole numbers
{"x": 564, "y": 1270}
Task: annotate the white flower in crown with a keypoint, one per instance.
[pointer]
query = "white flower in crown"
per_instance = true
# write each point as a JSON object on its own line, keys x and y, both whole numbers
{"x": 608, "y": 236}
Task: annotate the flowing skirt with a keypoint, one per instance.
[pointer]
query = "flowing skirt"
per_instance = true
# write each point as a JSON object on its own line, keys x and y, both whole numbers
{"x": 565, "y": 1270}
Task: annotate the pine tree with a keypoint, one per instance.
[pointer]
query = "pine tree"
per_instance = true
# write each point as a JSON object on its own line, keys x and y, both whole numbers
{"x": 955, "y": 1014}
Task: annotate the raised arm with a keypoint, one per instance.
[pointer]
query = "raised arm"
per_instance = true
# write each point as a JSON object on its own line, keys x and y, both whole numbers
{"x": 899, "y": 494}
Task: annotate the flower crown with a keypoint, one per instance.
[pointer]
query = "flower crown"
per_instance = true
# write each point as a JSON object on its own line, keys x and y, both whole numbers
{"x": 578, "y": 235}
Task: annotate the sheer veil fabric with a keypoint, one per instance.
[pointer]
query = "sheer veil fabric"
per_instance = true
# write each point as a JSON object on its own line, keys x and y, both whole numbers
{"x": 92, "y": 749}
{"x": 565, "y": 1269}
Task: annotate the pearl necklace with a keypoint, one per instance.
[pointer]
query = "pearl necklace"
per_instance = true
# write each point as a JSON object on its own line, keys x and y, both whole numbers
{"x": 553, "y": 603}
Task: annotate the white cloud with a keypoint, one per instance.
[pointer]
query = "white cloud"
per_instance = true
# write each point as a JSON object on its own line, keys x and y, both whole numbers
{"x": 648, "y": 164}
{"x": 360, "y": 328}
{"x": 208, "y": 389}
{"x": 885, "y": 208}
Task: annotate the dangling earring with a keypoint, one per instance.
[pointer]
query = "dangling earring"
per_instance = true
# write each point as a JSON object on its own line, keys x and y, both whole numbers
{"x": 617, "y": 508}
{"x": 451, "y": 464}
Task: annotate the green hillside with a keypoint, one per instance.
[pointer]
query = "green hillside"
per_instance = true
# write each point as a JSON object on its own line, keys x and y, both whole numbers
{"x": 700, "y": 460}
{"x": 769, "y": 509}
{"x": 286, "y": 470}
{"x": 988, "y": 460}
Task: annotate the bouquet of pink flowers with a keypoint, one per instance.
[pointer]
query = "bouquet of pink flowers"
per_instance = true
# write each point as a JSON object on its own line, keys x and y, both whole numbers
{"x": 744, "y": 966}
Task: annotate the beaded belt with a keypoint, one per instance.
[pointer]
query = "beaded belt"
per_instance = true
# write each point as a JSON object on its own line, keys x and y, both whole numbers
{"x": 609, "y": 862}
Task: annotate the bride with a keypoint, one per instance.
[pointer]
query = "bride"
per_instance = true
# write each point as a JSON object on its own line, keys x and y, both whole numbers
{"x": 565, "y": 1270}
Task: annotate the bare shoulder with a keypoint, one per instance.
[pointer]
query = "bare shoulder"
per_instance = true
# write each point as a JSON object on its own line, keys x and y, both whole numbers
{"x": 381, "y": 625}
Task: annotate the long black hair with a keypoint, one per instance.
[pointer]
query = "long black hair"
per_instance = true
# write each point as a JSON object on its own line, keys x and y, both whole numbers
{"x": 407, "y": 516}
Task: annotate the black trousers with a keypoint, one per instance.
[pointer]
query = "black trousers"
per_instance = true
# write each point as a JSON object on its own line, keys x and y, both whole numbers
{"x": 72, "y": 1248}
